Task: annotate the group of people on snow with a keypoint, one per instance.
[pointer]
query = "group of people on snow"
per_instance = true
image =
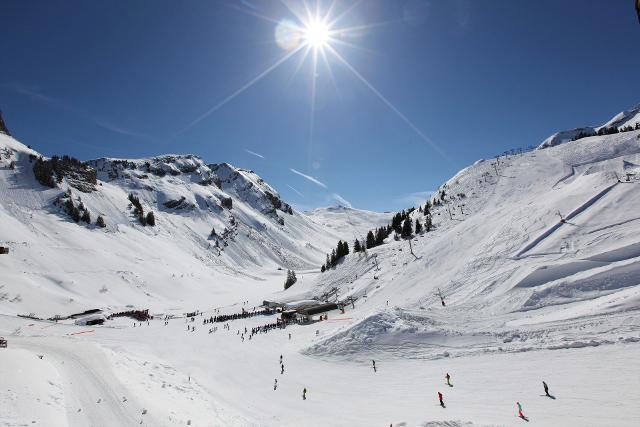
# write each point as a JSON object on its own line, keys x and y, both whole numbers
{"x": 518, "y": 404}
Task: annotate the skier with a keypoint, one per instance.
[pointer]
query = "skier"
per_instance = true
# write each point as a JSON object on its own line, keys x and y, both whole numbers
{"x": 440, "y": 399}
{"x": 275, "y": 384}
{"x": 289, "y": 336}
{"x": 304, "y": 394}
{"x": 281, "y": 359}
{"x": 448, "y": 377}
{"x": 520, "y": 414}
{"x": 282, "y": 369}
{"x": 546, "y": 388}
{"x": 374, "y": 366}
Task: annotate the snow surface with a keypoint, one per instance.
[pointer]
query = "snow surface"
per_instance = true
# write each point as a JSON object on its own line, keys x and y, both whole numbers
{"x": 625, "y": 118}
{"x": 348, "y": 222}
{"x": 539, "y": 265}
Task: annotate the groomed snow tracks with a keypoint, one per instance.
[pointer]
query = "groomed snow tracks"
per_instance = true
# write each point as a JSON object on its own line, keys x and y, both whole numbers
{"x": 570, "y": 216}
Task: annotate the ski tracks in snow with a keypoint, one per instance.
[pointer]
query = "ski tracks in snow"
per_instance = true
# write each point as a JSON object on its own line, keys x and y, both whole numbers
{"x": 93, "y": 395}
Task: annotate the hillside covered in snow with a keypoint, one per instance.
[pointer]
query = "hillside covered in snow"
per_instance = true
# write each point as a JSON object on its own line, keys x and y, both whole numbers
{"x": 529, "y": 272}
{"x": 623, "y": 121}
{"x": 76, "y": 239}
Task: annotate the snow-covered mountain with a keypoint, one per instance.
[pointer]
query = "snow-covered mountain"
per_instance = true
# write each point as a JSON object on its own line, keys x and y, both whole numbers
{"x": 625, "y": 118}
{"x": 214, "y": 223}
{"x": 536, "y": 256}
{"x": 551, "y": 238}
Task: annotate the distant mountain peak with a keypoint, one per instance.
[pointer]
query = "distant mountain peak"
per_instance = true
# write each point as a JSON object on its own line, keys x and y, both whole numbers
{"x": 625, "y": 118}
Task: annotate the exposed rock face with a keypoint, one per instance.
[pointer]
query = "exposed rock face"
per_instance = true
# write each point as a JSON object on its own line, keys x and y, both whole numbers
{"x": 251, "y": 189}
{"x": 179, "y": 204}
{"x": 51, "y": 172}
{"x": 227, "y": 202}
{"x": 3, "y": 126}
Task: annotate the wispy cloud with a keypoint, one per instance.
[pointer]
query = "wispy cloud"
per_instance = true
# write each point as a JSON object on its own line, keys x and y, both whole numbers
{"x": 295, "y": 191}
{"x": 253, "y": 153}
{"x": 341, "y": 200}
{"x": 249, "y": 5}
{"x": 414, "y": 199}
{"x": 36, "y": 95}
{"x": 116, "y": 128}
{"x": 308, "y": 177}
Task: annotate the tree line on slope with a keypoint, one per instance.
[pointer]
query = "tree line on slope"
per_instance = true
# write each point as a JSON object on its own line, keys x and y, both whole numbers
{"x": 401, "y": 224}
{"x": 52, "y": 171}
{"x": 606, "y": 131}
{"x": 138, "y": 211}
{"x": 78, "y": 212}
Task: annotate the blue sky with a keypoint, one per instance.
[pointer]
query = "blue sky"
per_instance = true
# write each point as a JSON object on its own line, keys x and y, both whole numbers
{"x": 439, "y": 84}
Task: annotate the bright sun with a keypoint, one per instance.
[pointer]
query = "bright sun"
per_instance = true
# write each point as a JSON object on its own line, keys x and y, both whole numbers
{"x": 316, "y": 34}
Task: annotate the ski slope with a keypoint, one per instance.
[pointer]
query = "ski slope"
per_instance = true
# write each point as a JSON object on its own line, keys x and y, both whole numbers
{"x": 537, "y": 256}
{"x": 348, "y": 222}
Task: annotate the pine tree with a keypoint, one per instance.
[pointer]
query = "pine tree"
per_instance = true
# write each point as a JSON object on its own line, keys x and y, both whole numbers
{"x": 427, "y": 224}
{"x": 100, "y": 222}
{"x": 323, "y": 268}
{"x": 418, "y": 226}
{"x": 356, "y": 246}
{"x": 86, "y": 216}
{"x": 151, "y": 219}
{"x": 396, "y": 222}
{"x": 406, "y": 228}
{"x": 371, "y": 240}
{"x": 137, "y": 207}
{"x": 291, "y": 279}
{"x": 75, "y": 214}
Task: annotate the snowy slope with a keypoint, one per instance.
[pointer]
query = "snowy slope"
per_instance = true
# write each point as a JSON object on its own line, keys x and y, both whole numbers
{"x": 625, "y": 118}
{"x": 348, "y": 222}
{"x": 537, "y": 256}
{"x": 74, "y": 267}
{"x": 509, "y": 259}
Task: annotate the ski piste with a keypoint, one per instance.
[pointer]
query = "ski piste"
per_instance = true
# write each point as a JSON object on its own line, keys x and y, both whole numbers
{"x": 530, "y": 296}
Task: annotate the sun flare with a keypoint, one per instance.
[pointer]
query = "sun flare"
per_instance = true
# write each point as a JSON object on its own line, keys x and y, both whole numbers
{"x": 316, "y": 38}
{"x": 316, "y": 34}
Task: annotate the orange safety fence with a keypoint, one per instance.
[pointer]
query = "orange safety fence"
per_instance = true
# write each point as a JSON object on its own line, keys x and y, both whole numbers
{"x": 81, "y": 332}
